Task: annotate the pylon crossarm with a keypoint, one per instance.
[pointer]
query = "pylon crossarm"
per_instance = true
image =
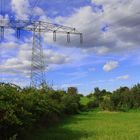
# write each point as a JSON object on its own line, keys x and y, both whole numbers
{"x": 38, "y": 66}
{"x": 36, "y": 25}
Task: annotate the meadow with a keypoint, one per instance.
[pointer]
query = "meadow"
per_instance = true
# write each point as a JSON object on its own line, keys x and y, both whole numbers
{"x": 93, "y": 125}
{"x": 48, "y": 114}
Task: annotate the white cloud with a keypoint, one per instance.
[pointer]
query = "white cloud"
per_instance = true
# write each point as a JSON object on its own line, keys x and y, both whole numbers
{"x": 122, "y": 35}
{"x": 109, "y": 66}
{"x": 123, "y": 77}
{"x": 66, "y": 85}
{"x": 8, "y": 45}
{"x": 51, "y": 57}
{"x": 20, "y": 63}
{"x": 20, "y": 8}
{"x": 115, "y": 79}
{"x": 119, "y": 38}
{"x": 38, "y": 11}
{"x": 123, "y": 25}
{"x": 92, "y": 69}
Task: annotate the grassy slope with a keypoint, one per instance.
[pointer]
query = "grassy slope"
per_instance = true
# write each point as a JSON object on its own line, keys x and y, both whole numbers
{"x": 94, "y": 125}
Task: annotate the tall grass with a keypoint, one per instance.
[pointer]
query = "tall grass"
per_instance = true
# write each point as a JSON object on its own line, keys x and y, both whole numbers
{"x": 95, "y": 125}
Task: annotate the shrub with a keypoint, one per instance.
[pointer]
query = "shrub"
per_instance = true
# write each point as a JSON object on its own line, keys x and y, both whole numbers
{"x": 122, "y": 99}
{"x": 71, "y": 104}
{"x": 20, "y": 109}
{"x": 93, "y": 104}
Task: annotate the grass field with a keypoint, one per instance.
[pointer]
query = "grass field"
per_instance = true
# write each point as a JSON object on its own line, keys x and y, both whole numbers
{"x": 94, "y": 125}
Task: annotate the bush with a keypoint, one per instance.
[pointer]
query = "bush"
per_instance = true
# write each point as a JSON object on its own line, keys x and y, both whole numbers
{"x": 71, "y": 104}
{"x": 123, "y": 99}
{"x": 93, "y": 104}
{"x": 21, "y": 109}
{"x": 106, "y": 103}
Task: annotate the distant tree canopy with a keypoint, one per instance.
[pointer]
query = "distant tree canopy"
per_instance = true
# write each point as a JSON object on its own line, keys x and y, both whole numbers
{"x": 72, "y": 90}
{"x": 23, "y": 108}
{"x": 121, "y": 99}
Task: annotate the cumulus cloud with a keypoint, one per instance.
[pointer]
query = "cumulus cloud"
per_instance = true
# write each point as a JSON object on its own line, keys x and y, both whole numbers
{"x": 119, "y": 19}
{"x": 109, "y": 66}
{"x": 8, "y": 45}
{"x": 21, "y": 8}
{"x": 20, "y": 63}
{"x": 52, "y": 57}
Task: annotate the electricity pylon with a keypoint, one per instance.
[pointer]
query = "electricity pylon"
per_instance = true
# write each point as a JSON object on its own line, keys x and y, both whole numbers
{"x": 37, "y": 28}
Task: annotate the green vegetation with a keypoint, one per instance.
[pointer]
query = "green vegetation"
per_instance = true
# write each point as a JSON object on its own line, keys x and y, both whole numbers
{"x": 23, "y": 109}
{"x": 84, "y": 100}
{"x": 93, "y": 125}
{"x": 122, "y": 99}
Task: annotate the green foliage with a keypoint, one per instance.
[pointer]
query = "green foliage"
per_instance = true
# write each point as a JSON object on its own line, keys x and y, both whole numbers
{"x": 71, "y": 103}
{"x": 123, "y": 99}
{"x": 93, "y": 103}
{"x": 84, "y": 100}
{"x": 21, "y": 109}
{"x": 72, "y": 90}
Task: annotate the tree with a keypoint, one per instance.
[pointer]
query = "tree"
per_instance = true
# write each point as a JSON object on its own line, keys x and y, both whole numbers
{"x": 72, "y": 90}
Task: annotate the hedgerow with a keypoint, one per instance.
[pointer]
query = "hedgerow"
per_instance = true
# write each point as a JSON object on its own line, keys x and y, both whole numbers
{"x": 21, "y": 109}
{"x": 122, "y": 99}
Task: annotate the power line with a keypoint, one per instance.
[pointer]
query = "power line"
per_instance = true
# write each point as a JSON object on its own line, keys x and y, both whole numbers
{"x": 35, "y": 3}
{"x": 37, "y": 27}
{"x": 1, "y": 7}
{"x": 32, "y": 6}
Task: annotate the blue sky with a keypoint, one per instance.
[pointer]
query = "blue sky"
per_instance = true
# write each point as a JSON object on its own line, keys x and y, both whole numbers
{"x": 108, "y": 58}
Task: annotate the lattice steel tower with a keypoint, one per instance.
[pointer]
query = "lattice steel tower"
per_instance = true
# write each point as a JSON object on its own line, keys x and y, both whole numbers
{"x": 36, "y": 27}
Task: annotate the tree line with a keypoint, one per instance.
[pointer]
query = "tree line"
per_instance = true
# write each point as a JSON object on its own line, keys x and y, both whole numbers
{"x": 27, "y": 108}
{"x": 22, "y": 109}
{"x": 122, "y": 99}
